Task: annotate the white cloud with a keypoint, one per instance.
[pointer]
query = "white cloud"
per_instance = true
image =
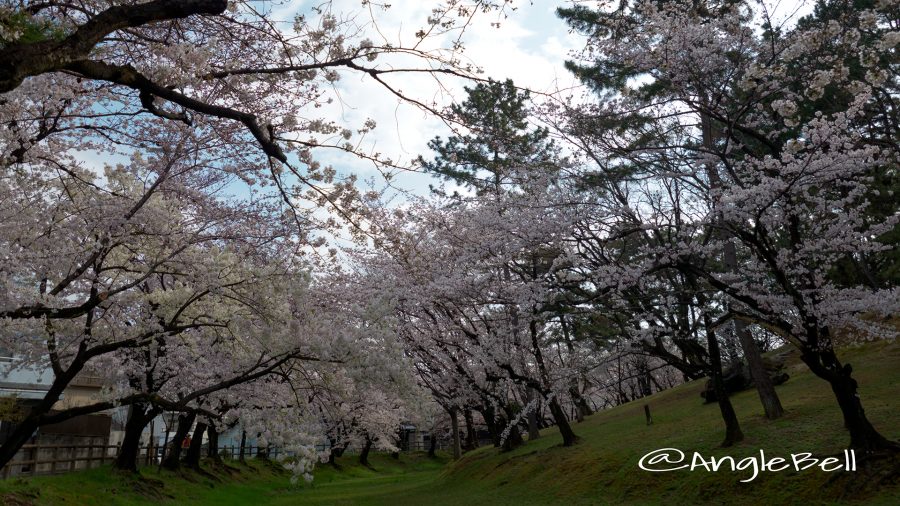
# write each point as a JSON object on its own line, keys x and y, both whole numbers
{"x": 529, "y": 46}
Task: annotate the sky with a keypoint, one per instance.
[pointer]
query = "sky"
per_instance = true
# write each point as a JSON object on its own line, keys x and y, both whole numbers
{"x": 529, "y": 46}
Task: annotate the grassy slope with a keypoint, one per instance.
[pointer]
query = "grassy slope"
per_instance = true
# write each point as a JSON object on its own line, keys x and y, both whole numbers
{"x": 601, "y": 469}
{"x": 234, "y": 484}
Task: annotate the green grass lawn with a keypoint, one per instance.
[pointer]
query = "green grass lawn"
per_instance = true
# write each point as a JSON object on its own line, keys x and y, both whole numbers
{"x": 601, "y": 469}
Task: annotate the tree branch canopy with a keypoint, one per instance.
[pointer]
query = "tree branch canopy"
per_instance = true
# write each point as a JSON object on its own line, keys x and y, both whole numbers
{"x": 19, "y": 61}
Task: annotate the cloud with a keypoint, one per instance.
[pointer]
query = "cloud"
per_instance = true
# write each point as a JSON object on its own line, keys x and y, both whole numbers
{"x": 528, "y": 45}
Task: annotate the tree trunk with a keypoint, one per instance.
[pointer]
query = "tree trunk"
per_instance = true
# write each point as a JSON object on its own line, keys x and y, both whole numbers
{"x": 491, "y": 421}
{"x": 364, "y": 454}
{"x": 514, "y": 437}
{"x": 823, "y": 362}
{"x": 243, "y": 446}
{"x": 559, "y": 416}
{"x": 192, "y": 459}
{"x": 32, "y": 421}
{"x": 334, "y": 451}
{"x": 581, "y": 406}
{"x": 139, "y": 415}
{"x": 432, "y": 445}
{"x": 733, "y": 433}
{"x": 761, "y": 379}
{"x": 562, "y": 423}
{"x": 262, "y": 453}
{"x": 173, "y": 459}
{"x": 454, "y": 427}
{"x": 764, "y": 386}
{"x": 471, "y": 436}
{"x": 212, "y": 449}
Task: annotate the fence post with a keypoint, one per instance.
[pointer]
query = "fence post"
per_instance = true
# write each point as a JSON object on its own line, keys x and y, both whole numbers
{"x": 35, "y": 453}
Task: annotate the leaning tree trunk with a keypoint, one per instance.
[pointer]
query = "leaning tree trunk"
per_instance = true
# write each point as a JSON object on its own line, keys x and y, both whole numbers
{"x": 192, "y": 459}
{"x": 581, "y": 406}
{"x": 173, "y": 459}
{"x": 823, "y": 362}
{"x": 562, "y": 423}
{"x": 364, "y": 454}
{"x": 733, "y": 433}
{"x": 243, "y": 448}
{"x": 454, "y": 427}
{"x": 764, "y": 386}
{"x": 559, "y": 416}
{"x": 26, "y": 427}
{"x": 139, "y": 415}
{"x": 514, "y": 436}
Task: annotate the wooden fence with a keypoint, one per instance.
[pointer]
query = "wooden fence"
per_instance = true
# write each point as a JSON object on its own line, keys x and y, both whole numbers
{"x": 45, "y": 459}
{"x": 37, "y": 459}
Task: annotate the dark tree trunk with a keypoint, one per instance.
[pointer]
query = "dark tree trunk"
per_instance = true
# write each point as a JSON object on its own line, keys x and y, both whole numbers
{"x": 576, "y": 397}
{"x": 823, "y": 362}
{"x": 243, "y": 446}
{"x": 733, "y": 433}
{"x": 192, "y": 459}
{"x": 491, "y": 421}
{"x": 364, "y": 454}
{"x": 173, "y": 458}
{"x": 559, "y": 416}
{"x": 262, "y": 452}
{"x": 432, "y": 445}
{"x": 454, "y": 428}
{"x": 513, "y": 439}
{"x": 582, "y": 409}
{"x": 562, "y": 423}
{"x": 471, "y": 436}
{"x": 139, "y": 415}
{"x": 334, "y": 452}
{"x": 764, "y": 386}
{"x": 25, "y": 428}
{"x": 761, "y": 379}
{"x": 581, "y": 405}
{"x": 514, "y": 436}
{"x": 212, "y": 450}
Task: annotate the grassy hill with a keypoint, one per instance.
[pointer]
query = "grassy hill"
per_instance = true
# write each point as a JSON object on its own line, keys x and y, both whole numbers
{"x": 601, "y": 469}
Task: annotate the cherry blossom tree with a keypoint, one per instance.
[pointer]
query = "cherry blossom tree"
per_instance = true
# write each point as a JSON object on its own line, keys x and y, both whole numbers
{"x": 782, "y": 181}
{"x": 185, "y": 257}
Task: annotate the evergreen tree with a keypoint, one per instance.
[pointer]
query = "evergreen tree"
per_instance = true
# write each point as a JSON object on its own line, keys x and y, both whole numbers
{"x": 499, "y": 149}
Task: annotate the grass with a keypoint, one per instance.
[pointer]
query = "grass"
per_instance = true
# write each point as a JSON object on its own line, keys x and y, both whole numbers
{"x": 600, "y": 469}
